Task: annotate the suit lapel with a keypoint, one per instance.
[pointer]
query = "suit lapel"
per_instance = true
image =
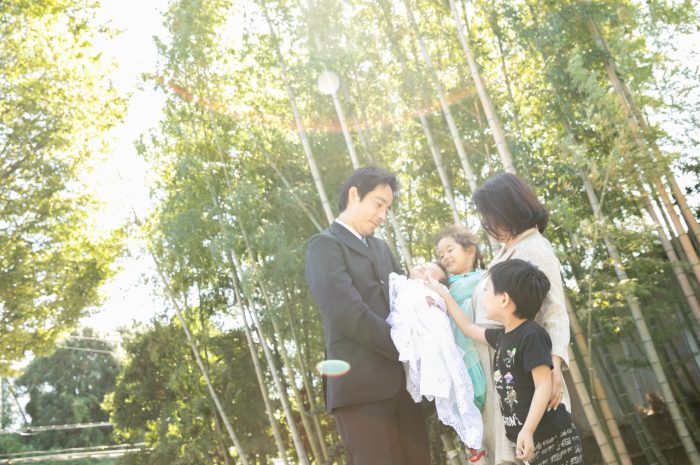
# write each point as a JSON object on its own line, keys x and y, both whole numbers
{"x": 371, "y": 250}
{"x": 381, "y": 269}
{"x": 349, "y": 239}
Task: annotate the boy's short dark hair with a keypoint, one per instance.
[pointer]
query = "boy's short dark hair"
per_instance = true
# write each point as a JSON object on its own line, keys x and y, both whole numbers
{"x": 366, "y": 179}
{"x": 526, "y": 285}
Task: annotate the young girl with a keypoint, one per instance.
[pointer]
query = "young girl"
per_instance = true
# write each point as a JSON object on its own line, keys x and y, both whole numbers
{"x": 457, "y": 250}
{"x": 421, "y": 331}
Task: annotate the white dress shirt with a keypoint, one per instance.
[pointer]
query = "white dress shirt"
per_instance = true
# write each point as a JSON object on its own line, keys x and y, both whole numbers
{"x": 349, "y": 228}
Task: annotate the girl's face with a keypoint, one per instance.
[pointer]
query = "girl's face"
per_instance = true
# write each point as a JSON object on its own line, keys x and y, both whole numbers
{"x": 454, "y": 257}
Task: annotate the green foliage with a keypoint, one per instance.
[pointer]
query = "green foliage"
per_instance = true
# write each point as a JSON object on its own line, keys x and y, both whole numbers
{"x": 161, "y": 398}
{"x": 56, "y": 104}
{"x": 68, "y": 387}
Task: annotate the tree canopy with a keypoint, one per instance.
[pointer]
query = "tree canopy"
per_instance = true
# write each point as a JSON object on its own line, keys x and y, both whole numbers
{"x": 591, "y": 102}
{"x": 56, "y": 104}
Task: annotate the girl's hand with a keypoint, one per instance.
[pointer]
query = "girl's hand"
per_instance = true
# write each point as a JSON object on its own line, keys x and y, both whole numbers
{"x": 435, "y": 286}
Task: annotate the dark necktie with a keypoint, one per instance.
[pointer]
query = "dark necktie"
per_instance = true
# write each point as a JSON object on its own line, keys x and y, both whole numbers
{"x": 364, "y": 240}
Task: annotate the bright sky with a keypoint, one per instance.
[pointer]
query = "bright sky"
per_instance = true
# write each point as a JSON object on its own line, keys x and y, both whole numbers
{"x": 120, "y": 179}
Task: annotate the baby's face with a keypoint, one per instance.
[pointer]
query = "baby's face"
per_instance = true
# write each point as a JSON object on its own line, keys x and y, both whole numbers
{"x": 428, "y": 271}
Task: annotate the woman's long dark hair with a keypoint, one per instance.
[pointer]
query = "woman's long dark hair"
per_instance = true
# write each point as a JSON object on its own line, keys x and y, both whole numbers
{"x": 506, "y": 204}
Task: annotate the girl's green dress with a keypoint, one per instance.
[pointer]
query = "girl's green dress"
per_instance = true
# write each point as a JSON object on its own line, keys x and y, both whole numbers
{"x": 461, "y": 289}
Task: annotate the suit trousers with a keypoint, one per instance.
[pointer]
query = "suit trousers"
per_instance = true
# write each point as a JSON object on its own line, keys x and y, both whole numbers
{"x": 385, "y": 432}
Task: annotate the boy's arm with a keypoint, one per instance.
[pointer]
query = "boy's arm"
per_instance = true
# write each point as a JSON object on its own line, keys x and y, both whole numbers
{"x": 467, "y": 327}
{"x": 541, "y": 375}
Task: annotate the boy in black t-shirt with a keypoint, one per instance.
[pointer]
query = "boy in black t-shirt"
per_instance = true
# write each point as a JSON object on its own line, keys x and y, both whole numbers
{"x": 515, "y": 290}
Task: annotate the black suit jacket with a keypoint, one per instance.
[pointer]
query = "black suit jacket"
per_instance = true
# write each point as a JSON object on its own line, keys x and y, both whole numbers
{"x": 350, "y": 282}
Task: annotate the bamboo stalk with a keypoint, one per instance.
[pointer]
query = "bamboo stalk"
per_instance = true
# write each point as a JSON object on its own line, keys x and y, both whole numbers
{"x": 456, "y": 138}
{"x": 599, "y": 392}
{"x": 296, "y": 438}
{"x": 318, "y": 451}
{"x": 606, "y": 449}
{"x": 198, "y": 359}
{"x": 683, "y": 238}
{"x": 484, "y": 97}
{"x": 274, "y": 425}
{"x": 638, "y": 126}
{"x": 442, "y": 172}
{"x": 434, "y": 150}
{"x": 294, "y": 196}
{"x": 645, "y": 336}
{"x": 452, "y": 453}
{"x": 652, "y": 454}
{"x": 281, "y": 449}
{"x": 236, "y": 269}
{"x": 311, "y": 159}
{"x": 686, "y": 287}
{"x": 304, "y": 371}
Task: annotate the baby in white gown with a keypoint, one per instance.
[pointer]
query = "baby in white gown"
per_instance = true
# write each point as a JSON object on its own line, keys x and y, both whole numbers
{"x": 433, "y": 362}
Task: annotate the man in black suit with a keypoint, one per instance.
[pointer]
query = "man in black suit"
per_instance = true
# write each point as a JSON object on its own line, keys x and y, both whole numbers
{"x": 347, "y": 269}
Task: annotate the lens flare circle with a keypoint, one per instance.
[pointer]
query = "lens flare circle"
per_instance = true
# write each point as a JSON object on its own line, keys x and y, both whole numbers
{"x": 332, "y": 368}
{"x": 328, "y": 82}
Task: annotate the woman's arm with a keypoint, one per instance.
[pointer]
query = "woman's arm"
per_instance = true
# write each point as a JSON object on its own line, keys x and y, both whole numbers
{"x": 557, "y": 384}
{"x": 467, "y": 327}
{"x": 525, "y": 445}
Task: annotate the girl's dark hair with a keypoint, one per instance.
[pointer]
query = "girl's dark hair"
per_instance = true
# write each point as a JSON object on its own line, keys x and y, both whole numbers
{"x": 464, "y": 237}
{"x": 366, "y": 179}
{"x": 526, "y": 285}
{"x": 507, "y": 204}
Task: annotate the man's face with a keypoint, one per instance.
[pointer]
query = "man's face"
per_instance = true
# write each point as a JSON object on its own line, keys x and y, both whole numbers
{"x": 369, "y": 213}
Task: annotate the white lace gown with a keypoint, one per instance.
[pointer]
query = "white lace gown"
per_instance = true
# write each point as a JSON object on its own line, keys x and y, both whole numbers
{"x": 433, "y": 362}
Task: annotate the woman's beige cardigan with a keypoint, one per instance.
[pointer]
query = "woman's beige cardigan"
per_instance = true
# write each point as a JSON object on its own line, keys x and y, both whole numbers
{"x": 530, "y": 246}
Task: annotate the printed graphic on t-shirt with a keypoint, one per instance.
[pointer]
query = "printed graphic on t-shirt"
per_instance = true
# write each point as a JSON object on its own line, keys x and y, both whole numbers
{"x": 511, "y": 399}
{"x": 508, "y": 360}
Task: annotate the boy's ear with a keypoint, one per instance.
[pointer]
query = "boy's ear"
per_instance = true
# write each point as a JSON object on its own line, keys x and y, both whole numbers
{"x": 505, "y": 299}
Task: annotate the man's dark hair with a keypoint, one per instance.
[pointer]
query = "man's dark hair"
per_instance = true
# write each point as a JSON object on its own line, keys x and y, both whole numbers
{"x": 526, "y": 285}
{"x": 507, "y": 204}
{"x": 366, "y": 179}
